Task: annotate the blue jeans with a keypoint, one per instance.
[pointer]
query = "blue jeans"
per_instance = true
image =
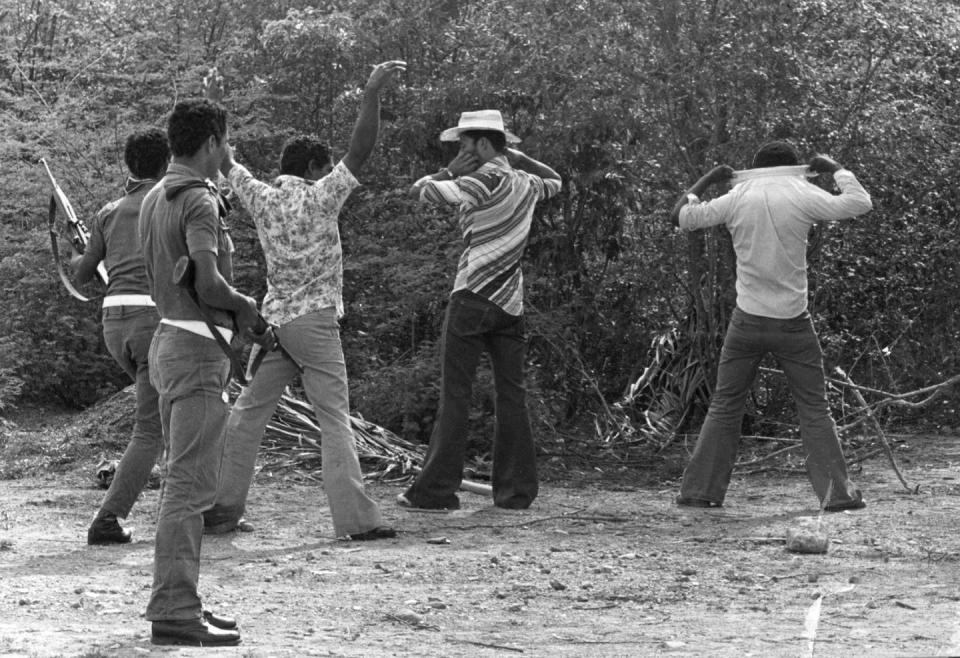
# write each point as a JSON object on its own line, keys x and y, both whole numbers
{"x": 127, "y": 332}
{"x": 190, "y": 373}
{"x": 313, "y": 342}
{"x": 474, "y": 324}
{"x": 794, "y": 344}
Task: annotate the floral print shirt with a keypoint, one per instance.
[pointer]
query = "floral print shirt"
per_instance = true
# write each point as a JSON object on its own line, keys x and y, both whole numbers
{"x": 297, "y": 224}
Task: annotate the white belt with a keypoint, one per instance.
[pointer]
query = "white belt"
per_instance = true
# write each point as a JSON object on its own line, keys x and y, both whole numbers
{"x": 127, "y": 300}
{"x": 199, "y": 327}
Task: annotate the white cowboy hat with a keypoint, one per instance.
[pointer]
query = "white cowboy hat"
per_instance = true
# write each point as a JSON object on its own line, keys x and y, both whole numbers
{"x": 479, "y": 120}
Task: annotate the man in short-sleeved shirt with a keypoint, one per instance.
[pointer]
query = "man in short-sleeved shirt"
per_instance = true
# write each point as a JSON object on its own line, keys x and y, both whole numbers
{"x": 129, "y": 320}
{"x": 183, "y": 216}
{"x": 297, "y": 224}
{"x": 494, "y": 190}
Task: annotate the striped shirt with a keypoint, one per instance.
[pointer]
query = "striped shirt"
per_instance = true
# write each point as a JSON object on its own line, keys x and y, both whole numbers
{"x": 495, "y": 209}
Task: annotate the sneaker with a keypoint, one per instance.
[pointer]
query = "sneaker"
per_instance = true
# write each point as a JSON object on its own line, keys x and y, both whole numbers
{"x": 107, "y": 530}
{"x": 696, "y": 502}
{"x": 405, "y": 503}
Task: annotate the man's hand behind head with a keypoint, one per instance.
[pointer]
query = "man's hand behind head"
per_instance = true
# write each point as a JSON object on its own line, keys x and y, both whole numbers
{"x": 823, "y": 164}
{"x": 719, "y": 174}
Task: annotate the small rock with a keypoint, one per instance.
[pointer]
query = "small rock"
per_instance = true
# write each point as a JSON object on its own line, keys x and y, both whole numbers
{"x": 807, "y": 536}
{"x": 409, "y": 617}
{"x": 557, "y": 585}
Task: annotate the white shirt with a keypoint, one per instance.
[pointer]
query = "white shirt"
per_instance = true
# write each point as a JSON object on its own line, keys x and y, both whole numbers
{"x": 769, "y": 219}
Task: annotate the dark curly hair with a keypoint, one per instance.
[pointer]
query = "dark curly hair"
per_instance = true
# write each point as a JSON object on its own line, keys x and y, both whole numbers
{"x": 147, "y": 153}
{"x": 496, "y": 138}
{"x": 192, "y": 123}
{"x": 297, "y": 153}
{"x": 776, "y": 154}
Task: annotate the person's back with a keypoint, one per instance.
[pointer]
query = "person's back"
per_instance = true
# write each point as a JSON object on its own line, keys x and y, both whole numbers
{"x": 167, "y": 234}
{"x": 769, "y": 213}
{"x": 117, "y": 223}
{"x": 129, "y": 321}
{"x": 769, "y": 217}
{"x": 494, "y": 189}
{"x": 496, "y": 213}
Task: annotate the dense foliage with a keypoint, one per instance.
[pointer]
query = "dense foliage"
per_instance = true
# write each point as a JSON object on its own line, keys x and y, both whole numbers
{"x": 630, "y": 101}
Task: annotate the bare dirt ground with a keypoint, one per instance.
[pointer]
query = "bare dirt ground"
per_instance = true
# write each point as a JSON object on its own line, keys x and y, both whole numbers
{"x": 600, "y": 566}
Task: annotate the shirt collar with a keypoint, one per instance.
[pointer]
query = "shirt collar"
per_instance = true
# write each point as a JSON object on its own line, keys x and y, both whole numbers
{"x": 283, "y": 179}
{"x": 497, "y": 163}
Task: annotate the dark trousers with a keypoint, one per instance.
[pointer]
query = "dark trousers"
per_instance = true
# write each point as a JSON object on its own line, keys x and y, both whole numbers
{"x": 473, "y": 325}
{"x": 793, "y": 342}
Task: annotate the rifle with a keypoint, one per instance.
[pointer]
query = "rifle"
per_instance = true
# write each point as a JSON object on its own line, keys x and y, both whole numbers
{"x": 263, "y": 334}
{"x": 79, "y": 235}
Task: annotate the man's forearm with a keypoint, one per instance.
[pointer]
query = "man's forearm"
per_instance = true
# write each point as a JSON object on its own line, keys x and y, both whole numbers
{"x": 526, "y": 163}
{"x": 365, "y": 131}
{"x": 696, "y": 189}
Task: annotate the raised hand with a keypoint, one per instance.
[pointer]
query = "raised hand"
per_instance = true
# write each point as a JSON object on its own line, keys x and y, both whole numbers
{"x": 213, "y": 89}
{"x": 383, "y": 73}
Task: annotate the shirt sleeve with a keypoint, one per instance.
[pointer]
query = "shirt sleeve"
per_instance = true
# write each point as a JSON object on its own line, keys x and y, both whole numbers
{"x": 544, "y": 187}
{"x": 256, "y": 196}
{"x": 441, "y": 193}
{"x": 201, "y": 222}
{"x": 331, "y": 191}
{"x": 697, "y": 214}
{"x": 852, "y": 201}
{"x": 551, "y": 187}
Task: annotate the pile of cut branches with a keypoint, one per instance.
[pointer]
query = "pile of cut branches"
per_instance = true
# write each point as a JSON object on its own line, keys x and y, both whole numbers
{"x": 292, "y": 441}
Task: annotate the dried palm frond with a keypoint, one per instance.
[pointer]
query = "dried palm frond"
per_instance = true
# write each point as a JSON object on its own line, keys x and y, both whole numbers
{"x": 659, "y": 402}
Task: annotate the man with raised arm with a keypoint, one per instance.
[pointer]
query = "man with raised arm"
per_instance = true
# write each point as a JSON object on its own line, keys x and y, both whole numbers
{"x": 129, "y": 321}
{"x": 296, "y": 220}
{"x": 769, "y": 213}
{"x": 183, "y": 216}
{"x": 494, "y": 190}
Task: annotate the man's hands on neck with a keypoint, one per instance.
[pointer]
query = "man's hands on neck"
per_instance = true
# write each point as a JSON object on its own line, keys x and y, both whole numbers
{"x": 520, "y": 160}
{"x": 719, "y": 174}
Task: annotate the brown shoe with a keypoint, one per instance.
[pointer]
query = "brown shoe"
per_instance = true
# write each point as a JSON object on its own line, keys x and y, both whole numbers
{"x": 192, "y": 633}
